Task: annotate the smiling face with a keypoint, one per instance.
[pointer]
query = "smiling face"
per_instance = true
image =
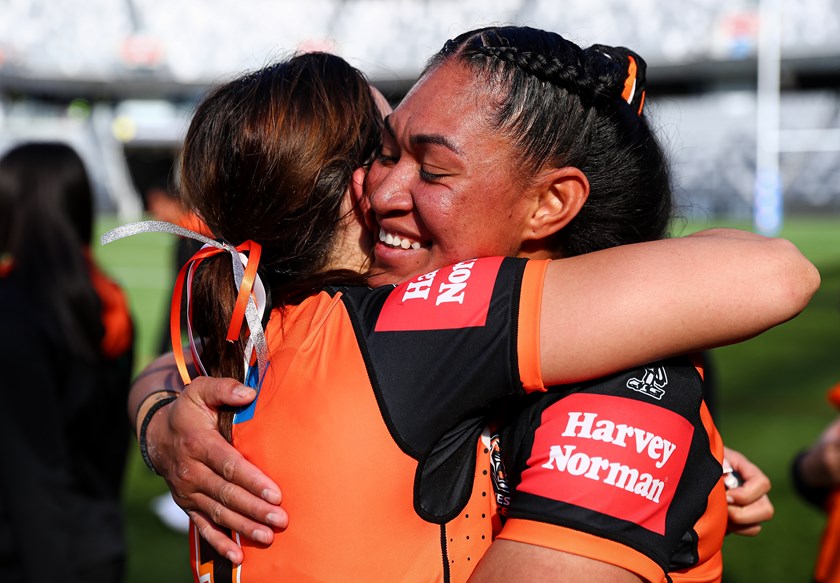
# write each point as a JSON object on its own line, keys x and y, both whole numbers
{"x": 445, "y": 187}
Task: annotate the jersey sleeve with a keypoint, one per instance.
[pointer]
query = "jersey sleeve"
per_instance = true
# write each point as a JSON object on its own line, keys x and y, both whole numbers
{"x": 619, "y": 470}
{"x": 443, "y": 353}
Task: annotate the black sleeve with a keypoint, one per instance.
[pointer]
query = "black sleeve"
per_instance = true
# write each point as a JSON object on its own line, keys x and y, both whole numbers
{"x": 441, "y": 352}
{"x": 625, "y": 458}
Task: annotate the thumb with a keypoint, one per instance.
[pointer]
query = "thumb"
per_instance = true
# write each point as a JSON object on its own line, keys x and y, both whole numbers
{"x": 212, "y": 393}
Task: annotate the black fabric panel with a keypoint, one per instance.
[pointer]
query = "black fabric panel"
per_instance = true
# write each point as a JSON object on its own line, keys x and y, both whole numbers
{"x": 677, "y": 549}
{"x": 435, "y": 387}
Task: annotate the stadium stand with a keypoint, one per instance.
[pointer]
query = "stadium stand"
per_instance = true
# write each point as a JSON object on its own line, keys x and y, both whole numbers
{"x": 139, "y": 65}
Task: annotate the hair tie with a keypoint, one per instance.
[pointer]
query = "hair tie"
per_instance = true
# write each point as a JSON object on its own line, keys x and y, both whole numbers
{"x": 633, "y": 74}
{"x": 631, "y": 84}
{"x": 250, "y": 301}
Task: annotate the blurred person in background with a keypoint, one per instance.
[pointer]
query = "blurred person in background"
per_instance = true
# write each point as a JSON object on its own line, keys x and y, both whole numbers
{"x": 163, "y": 203}
{"x": 66, "y": 352}
{"x": 238, "y": 218}
{"x": 816, "y": 478}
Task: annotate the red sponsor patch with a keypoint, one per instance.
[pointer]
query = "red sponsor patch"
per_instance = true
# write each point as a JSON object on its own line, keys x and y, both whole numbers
{"x": 457, "y": 296}
{"x": 613, "y": 455}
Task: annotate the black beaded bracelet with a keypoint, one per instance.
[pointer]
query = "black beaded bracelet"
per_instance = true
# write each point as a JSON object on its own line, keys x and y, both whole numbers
{"x": 141, "y": 437}
{"x": 147, "y": 397}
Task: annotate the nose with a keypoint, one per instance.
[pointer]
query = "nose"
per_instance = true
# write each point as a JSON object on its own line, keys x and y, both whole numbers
{"x": 390, "y": 192}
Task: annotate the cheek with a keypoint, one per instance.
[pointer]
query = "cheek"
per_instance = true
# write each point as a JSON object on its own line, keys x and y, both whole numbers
{"x": 374, "y": 178}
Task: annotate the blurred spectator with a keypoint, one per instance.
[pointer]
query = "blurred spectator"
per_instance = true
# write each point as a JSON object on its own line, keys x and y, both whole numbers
{"x": 163, "y": 204}
{"x": 816, "y": 477}
{"x": 66, "y": 352}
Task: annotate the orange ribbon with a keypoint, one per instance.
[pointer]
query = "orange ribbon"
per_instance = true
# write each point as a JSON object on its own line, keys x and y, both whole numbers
{"x": 827, "y": 569}
{"x": 244, "y": 294}
{"x": 249, "y": 301}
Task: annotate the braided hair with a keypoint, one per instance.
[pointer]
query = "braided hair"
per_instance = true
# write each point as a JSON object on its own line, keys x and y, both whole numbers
{"x": 561, "y": 105}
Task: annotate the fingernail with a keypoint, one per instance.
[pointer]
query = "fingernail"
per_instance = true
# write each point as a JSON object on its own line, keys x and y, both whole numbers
{"x": 231, "y": 556}
{"x": 261, "y": 536}
{"x": 244, "y": 392}
{"x": 275, "y": 519}
{"x": 271, "y": 496}
{"x": 730, "y": 499}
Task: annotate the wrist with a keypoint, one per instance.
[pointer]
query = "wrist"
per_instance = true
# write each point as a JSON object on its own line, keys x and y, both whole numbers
{"x": 147, "y": 403}
{"x": 149, "y": 408}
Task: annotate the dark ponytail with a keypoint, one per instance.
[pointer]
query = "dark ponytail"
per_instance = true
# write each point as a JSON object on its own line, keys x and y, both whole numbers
{"x": 268, "y": 157}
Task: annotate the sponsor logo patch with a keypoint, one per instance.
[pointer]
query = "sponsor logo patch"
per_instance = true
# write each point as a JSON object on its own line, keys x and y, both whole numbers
{"x": 613, "y": 455}
{"x": 652, "y": 382}
{"x": 457, "y": 296}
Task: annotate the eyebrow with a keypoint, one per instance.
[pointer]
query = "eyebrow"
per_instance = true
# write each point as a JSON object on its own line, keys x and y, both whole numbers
{"x": 436, "y": 139}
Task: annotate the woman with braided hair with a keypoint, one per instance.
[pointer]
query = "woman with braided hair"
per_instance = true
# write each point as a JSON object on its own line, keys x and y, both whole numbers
{"x": 370, "y": 411}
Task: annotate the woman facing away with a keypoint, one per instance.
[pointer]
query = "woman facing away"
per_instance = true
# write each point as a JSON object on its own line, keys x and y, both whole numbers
{"x": 347, "y": 460}
{"x": 66, "y": 354}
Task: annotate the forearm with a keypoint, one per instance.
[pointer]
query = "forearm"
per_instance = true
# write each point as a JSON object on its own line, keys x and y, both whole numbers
{"x": 613, "y": 309}
{"x": 159, "y": 380}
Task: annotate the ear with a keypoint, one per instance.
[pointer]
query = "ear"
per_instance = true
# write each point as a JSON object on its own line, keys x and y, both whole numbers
{"x": 359, "y": 199}
{"x": 357, "y": 189}
{"x": 561, "y": 192}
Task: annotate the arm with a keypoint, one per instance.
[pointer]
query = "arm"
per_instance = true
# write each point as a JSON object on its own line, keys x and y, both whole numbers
{"x": 612, "y": 309}
{"x": 816, "y": 471}
{"x": 748, "y": 504}
{"x": 208, "y": 478}
{"x": 509, "y": 560}
{"x": 513, "y": 561}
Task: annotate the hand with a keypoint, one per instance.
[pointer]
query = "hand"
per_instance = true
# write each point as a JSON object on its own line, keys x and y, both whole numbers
{"x": 749, "y": 505}
{"x": 208, "y": 478}
{"x": 820, "y": 466}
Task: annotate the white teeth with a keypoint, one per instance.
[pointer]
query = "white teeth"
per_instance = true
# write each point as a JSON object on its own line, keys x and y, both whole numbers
{"x": 396, "y": 241}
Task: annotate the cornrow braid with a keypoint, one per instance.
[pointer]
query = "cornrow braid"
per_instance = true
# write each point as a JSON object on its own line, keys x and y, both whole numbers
{"x": 598, "y": 75}
{"x": 560, "y": 105}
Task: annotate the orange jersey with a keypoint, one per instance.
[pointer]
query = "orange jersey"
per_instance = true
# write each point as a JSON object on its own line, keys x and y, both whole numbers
{"x": 369, "y": 416}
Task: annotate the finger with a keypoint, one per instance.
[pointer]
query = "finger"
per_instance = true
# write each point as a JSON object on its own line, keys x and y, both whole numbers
{"x": 212, "y": 468}
{"x": 752, "y": 490}
{"x": 222, "y": 515}
{"x": 751, "y": 530}
{"x": 217, "y": 538}
{"x": 755, "y": 513}
{"x": 214, "y": 392}
{"x": 205, "y": 446}
{"x": 231, "y": 465}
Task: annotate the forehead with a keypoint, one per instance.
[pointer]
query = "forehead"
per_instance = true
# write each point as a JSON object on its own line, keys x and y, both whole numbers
{"x": 448, "y": 100}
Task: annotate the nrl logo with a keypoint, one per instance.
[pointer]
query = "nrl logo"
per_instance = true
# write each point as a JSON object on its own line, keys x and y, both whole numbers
{"x": 651, "y": 383}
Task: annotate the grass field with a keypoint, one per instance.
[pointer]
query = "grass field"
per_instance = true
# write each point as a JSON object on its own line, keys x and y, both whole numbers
{"x": 772, "y": 403}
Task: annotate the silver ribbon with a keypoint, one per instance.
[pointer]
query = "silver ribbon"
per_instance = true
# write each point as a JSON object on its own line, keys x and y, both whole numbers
{"x": 253, "y": 310}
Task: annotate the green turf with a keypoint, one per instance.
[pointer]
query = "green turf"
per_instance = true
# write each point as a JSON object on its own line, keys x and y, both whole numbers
{"x": 772, "y": 403}
{"x": 143, "y": 265}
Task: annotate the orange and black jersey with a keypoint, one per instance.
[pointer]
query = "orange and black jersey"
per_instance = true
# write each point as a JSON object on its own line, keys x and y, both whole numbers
{"x": 368, "y": 419}
{"x": 625, "y": 470}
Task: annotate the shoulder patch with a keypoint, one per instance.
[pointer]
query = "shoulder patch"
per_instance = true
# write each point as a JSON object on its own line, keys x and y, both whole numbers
{"x": 617, "y": 456}
{"x": 454, "y": 297}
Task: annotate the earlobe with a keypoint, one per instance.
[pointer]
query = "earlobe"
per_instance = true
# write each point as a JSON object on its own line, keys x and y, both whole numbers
{"x": 562, "y": 193}
{"x": 357, "y": 189}
{"x": 360, "y": 200}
